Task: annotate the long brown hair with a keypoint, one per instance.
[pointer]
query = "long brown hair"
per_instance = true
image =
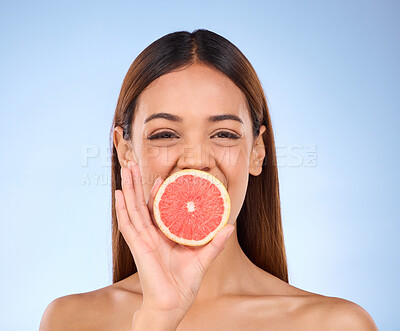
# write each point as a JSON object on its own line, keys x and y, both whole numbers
{"x": 259, "y": 226}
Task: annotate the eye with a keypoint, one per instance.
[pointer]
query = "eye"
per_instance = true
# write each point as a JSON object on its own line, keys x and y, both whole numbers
{"x": 226, "y": 134}
{"x": 163, "y": 135}
{"x": 169, "y": 135}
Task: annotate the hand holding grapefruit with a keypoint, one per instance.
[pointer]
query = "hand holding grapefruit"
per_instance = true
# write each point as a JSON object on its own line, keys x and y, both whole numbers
{"x": 171, "y": 273}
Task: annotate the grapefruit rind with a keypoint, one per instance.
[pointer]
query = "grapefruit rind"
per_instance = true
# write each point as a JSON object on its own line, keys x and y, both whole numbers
{"x": 202, "y": 174}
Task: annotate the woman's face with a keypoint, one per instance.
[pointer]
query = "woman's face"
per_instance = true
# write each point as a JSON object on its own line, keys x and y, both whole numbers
{"x": 195, "y": 118}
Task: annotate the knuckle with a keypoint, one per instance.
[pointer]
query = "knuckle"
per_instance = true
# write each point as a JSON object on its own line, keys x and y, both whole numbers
{"x": 121, "y": 227}
{"x": 135, "y": 207}
{"x": 201, "y": 267}
{"x": 123, "y": 224}
{"x": 143, "y": 229}
{"x": 127, "y": 183}
{"x": 142, "y": 204}
{"x": 215, "y": 249}
{"x": 120, "y": 208}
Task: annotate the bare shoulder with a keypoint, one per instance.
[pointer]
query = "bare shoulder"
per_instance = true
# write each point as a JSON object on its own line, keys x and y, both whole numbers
{"x": 308, "y": 310}
{"x": 95, "y": 310}
{"x": 337, "y": 314}
{"x": 63, "y": 313}
{"x": 348, "y": 315}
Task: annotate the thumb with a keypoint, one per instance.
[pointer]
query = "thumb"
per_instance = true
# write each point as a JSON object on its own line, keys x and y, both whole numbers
{"x": 223, "y": 235}
{"x": 210, "y": 251}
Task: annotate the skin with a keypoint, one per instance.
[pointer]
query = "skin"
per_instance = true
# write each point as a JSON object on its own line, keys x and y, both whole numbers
{"x": 214, "y": 285}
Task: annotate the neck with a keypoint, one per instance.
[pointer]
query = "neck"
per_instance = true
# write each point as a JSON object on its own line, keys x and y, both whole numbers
{"x": 231, "y": 273}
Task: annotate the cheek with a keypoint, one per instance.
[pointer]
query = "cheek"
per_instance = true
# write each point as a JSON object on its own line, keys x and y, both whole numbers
{"x": 237, "y": 187}
{"x": 232, "y": 160}
{"x": 159, "y": 159}
{"x": 235, "y": 166}
{"x": 154, "y": 162}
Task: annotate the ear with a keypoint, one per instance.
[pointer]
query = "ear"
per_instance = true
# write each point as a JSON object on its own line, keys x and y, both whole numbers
{"x": 124, "y": 150}
{"x": 257, "y": 154}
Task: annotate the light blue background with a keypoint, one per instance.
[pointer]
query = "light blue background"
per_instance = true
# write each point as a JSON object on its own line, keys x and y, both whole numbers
{"x": 330, "y": 70}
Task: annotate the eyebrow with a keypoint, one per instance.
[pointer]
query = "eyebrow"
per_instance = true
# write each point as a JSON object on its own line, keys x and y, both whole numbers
{"x": 176, "y": 118}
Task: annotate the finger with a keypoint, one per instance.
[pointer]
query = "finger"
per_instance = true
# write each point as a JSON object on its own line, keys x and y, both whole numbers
{"x": 130, "y": 199}
{"x": 153, "y": 193}
{"x": 125, "y": 225}
{"x": 138, "y": 188}
{"x": 210, "y": 251}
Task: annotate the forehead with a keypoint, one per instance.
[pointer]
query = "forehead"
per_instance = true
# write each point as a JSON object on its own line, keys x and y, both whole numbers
{"x": 195, "y": 93}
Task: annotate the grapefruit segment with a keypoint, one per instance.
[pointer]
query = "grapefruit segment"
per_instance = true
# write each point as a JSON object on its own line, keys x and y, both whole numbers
{"x": 191, "y": 206}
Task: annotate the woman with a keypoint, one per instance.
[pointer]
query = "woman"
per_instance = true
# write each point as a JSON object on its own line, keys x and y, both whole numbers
{"x": 193, "y": 101}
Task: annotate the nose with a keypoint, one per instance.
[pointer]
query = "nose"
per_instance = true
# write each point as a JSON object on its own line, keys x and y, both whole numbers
{"x": 196, "y": 157}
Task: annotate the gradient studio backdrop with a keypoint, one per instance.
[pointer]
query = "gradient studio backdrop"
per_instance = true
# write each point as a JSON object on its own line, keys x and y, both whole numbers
{"x": 330, "y": 71}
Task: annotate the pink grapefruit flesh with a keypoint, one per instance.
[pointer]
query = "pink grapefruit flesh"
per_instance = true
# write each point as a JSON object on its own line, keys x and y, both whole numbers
{"x": 191, "y": 206}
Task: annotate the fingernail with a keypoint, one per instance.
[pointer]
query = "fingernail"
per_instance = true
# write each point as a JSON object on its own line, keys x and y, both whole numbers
{"x": 156, "y": 181}
{"x": 229, "y": 233}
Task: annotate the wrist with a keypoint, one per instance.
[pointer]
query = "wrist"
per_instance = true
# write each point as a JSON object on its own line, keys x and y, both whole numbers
{"x": 147, "y": 319}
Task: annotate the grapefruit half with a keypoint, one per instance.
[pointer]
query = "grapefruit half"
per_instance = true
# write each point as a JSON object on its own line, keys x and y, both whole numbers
{"x": 191, "y": 206}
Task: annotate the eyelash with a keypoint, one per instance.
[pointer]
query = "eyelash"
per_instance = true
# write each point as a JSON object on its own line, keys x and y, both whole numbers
{"x": 159, "y": 135}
